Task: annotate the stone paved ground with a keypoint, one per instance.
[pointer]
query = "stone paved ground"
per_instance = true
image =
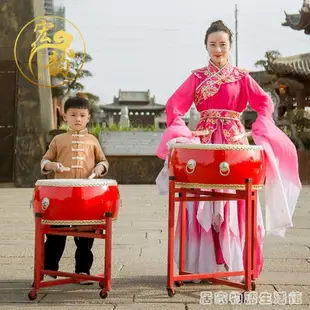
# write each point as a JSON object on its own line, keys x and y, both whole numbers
{"x": 139, "y": 259}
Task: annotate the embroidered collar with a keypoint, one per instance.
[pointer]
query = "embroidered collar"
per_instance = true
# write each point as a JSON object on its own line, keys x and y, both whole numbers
{"x": 214, "y": 69}
{"x": 213, "y": 77}
{"x": 72, "y": 131}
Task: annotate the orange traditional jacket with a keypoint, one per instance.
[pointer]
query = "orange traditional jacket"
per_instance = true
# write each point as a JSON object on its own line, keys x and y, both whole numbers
{"x": 79, "y": 151}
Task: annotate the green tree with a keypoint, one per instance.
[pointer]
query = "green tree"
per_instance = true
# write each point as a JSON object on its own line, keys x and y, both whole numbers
{"x": 71, "y": 82}
{"x": 270, "y": 57}
{"x": 93, "y": 99}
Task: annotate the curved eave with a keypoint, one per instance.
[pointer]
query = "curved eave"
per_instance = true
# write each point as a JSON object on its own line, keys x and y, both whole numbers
{"x": 298, "y": 65}
{"x": 299, "y": 21}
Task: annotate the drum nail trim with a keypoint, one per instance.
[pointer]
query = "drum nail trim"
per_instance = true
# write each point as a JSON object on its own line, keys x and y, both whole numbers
{"x": 84, "y": 183}
{"x": 233, "y": 147}
{"x": 86, "y": 222}
{"x": 216, "y": 186}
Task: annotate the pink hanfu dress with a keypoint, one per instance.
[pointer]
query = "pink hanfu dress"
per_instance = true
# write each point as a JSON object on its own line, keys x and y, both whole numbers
{"x": 216, "y": 230}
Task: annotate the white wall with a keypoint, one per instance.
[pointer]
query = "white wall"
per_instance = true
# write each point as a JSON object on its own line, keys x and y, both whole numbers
{"x": 138, "y": 143}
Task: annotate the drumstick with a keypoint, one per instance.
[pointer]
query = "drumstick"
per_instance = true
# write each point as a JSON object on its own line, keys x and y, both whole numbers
{"x": 244, "y": 135}
{"x": 62, "y": 168}
{"x": 92, "y": 176}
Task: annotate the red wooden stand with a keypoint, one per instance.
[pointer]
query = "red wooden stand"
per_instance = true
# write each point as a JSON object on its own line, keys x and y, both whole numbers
{"x": 103, "y": 231}
{"x": 250, "y": 270}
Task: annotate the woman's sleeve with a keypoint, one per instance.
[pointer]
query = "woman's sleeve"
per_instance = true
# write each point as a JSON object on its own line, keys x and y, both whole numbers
{"x": 177, "y": 106}
{"x": 282, "y": 187}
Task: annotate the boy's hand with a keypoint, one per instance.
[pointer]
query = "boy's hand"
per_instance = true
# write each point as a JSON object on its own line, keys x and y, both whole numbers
{"x": 56, "y": 167}
{"x": 99, "y": 170}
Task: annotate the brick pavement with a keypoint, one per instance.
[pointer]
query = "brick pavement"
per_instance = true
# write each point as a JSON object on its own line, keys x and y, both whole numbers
{"x": 139, "y": 259}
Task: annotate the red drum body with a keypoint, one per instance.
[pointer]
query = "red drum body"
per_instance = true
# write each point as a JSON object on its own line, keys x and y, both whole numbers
{"x": 76, "y": 201}
{"x": 217, "y": 166}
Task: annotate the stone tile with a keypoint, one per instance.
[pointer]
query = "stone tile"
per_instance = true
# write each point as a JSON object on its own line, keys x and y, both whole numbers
{"x": 39, "y": 306}
{"x": 284, "y": 264}
{"x": 296, "y": 232}
{"x": 20, "y": 296}
{"x": 138, "y": 258}
{"x": 302, "y": 222}
{"x": 160, "y": 295}
{"x": 14, "y": 285}
{"x": 139, "y": 267}
{"x": 86, "y": 296}
{"x": 292, "y": 278}
{"x": 151, "y": 306}
{"x": 286, "y": 251}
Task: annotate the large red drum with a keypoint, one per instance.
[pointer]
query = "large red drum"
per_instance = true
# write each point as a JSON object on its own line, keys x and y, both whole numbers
{"x": 76, "y": 201}
{"x": 217, "y": 166}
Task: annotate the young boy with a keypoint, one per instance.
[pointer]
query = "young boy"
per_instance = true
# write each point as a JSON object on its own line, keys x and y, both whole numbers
{"x": 81, "y": 152}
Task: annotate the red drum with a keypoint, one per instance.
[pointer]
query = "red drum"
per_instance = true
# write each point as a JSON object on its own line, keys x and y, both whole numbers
{"x": 217, "y": 166}
{"x": 76, "y": 201}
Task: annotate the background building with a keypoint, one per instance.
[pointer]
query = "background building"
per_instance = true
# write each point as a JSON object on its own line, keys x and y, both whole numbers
{"x": 142, "y": 108}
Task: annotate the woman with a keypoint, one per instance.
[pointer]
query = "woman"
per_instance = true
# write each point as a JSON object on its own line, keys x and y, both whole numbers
{"x": 220, "y": 91}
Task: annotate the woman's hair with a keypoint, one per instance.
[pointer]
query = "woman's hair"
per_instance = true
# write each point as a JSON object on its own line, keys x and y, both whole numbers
{"x": 218, "y": 26}
{"x": 78, "y": 102}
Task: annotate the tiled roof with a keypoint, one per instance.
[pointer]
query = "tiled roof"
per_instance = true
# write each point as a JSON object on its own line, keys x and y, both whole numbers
{"x": 138, "y": 96}
{"x": 299, "y": 21}
{"x": 135, "y": 101}
{"x": 298, "y": 65}
{"x": 133, "y": 107}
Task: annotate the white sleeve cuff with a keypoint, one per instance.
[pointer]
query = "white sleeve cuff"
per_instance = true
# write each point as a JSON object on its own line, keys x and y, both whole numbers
{"x": 43, "y": 163}
{"x": 105, "y": 165}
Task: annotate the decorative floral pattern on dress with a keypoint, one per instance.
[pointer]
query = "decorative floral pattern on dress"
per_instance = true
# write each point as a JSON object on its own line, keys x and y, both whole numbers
{"x": 230, "y": 122}
{"x": 212, "y": 79}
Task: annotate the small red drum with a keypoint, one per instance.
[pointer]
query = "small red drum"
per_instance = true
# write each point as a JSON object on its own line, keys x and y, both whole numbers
{"x": 76, "y": 201}
{"x": 217, "y": 166}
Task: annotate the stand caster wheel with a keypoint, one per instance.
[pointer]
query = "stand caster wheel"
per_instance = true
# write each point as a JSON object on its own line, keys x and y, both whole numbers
{"x": 103, "y": 294}
{"x": 32, "y": 295}
{"x": 253, "y": 285}
{"x": 178, "y": 283}
{"x": 101, "y": 284}
{"x": 171, "y": 292}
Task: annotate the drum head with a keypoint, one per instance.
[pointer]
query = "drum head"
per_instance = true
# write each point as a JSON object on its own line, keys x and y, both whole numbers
{"x": 76, "y": 182}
